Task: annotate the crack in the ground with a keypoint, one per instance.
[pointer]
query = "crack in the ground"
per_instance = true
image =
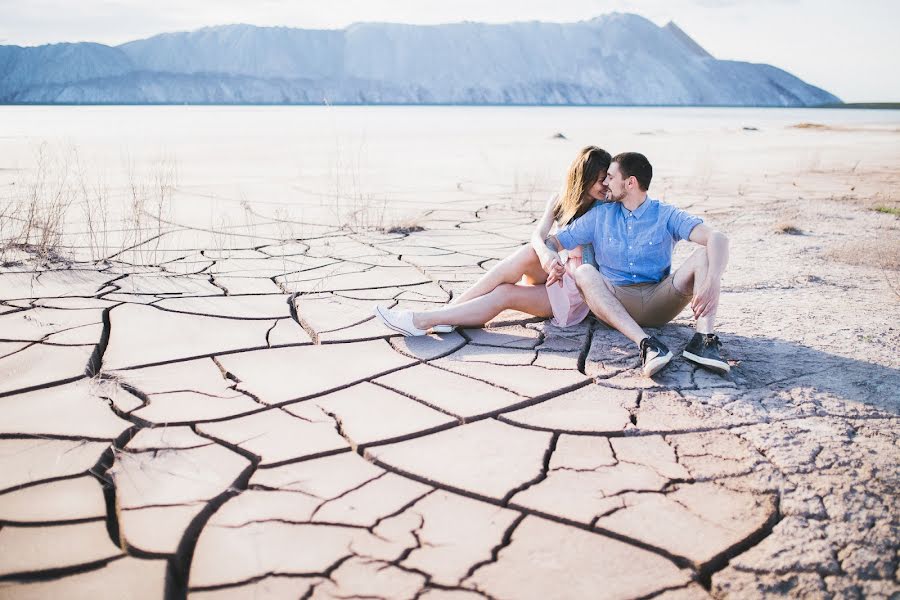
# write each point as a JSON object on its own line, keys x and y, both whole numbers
{"x": 545, "y": 469}
{"x": 100, "y": 471}
{"x": 343, "y": 494}
{"x": 179, "y": 567}
{"x": 58, "y": 572}
{"x": 309, "y": 329}
{"x": 504, "y": 543}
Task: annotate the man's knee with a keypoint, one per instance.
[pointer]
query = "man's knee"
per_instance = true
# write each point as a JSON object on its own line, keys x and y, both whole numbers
{"x": 589, "y": 279}
{"x": 586, "y": 273}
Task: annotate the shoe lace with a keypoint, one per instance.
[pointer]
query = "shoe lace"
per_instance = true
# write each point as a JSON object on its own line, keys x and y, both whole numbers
{"x": 713, "y": 340}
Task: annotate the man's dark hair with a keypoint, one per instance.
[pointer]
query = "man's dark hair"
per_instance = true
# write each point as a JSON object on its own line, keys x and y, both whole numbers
{"x": 637, "y": 165}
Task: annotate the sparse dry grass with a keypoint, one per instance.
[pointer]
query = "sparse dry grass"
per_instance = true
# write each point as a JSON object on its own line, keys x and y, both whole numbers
{"x": 879, "y": 253}
{"x": 33, "y": 221}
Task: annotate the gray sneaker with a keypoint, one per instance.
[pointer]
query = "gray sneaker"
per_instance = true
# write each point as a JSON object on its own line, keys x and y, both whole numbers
{"x": 703, "y": 350}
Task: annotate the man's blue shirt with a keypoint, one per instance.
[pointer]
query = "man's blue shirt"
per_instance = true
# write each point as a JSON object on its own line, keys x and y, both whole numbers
{"x": 631, "y": 247}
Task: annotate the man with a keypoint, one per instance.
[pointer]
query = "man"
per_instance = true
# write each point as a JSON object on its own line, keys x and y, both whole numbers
{"x": 633, "y": 238}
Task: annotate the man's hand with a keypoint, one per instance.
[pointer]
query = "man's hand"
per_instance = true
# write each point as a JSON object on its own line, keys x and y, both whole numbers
{"x": 706, "y": 300}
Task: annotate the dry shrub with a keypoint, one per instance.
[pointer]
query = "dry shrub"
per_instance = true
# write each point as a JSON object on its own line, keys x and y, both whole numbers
{"x": 149, "y": 202}
{"x": 405, "y": 227}
{"x": 34, "y": 218}
{"x": 810, "y": 126}
{"x": 788, "y": 229}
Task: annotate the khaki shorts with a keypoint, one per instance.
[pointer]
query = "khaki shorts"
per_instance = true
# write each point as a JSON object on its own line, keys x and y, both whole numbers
{"x": 652, "y": 304}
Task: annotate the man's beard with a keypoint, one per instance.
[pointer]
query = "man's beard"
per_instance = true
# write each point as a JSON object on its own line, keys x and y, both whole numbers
{"x": 611, "y": 195}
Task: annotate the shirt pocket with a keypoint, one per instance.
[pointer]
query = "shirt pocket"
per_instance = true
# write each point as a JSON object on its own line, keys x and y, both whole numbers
{"x": 612, "y": 251}
{"x": 655, "y": 247}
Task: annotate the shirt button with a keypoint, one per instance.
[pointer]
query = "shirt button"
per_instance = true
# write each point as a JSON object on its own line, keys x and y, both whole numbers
{"x": 631, "y": 264}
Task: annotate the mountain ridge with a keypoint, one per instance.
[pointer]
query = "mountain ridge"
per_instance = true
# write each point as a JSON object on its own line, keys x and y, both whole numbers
{"x": 619, "y": 59}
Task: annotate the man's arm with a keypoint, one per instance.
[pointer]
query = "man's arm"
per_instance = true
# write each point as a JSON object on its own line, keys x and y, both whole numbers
{"x": 707, "y": 297}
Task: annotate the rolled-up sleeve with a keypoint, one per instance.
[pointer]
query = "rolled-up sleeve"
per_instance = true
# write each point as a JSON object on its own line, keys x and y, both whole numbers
{"x": 580, "y": 231}
{"x": 680, "y": 224}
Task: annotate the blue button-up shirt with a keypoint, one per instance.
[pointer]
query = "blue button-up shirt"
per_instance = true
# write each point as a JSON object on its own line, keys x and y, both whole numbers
{"x": 631, "y": 247}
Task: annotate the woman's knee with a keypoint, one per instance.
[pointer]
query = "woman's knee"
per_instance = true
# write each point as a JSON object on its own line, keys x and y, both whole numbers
{"x": 504, "y": 295}
{"x": 524, "y": 258}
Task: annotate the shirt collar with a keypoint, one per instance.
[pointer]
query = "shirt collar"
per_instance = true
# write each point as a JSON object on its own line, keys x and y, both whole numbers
{"x": 640, "y": 210}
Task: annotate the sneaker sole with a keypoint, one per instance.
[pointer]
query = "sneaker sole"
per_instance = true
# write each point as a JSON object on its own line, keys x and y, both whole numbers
{"x": 443, "y": 328}
{"x": 719, "y": 366}
{"x": 655, "y": 365}
{"x": 390, "y": 325}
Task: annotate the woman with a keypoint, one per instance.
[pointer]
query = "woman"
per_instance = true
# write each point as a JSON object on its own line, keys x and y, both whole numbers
{"x": 549, "y": 288}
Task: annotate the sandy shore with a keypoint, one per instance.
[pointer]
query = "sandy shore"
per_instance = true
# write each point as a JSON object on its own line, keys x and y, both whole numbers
{"x": 212, "y": 412}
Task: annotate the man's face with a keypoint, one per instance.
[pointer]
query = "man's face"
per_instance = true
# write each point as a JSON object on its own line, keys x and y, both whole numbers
{"x": 598, "y": 190}
{"x": 615, "y": 183}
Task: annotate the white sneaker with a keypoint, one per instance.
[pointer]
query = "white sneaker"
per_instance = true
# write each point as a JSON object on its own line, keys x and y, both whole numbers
{"x": 398, "y": 320}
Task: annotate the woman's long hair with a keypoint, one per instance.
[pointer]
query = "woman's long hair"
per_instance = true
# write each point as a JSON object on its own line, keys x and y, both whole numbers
{"x": 583, "y": 173}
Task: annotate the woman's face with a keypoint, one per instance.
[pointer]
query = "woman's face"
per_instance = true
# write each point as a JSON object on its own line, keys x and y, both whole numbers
{"x": 599, "y": 189}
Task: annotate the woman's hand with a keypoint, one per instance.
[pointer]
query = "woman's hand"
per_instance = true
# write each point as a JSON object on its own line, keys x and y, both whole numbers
{"x": 554, "y": 269}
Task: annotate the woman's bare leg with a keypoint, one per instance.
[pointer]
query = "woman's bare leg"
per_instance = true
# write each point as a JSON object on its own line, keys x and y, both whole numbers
{"x": 531, "y": 299}
{"x": 523, "y": 261}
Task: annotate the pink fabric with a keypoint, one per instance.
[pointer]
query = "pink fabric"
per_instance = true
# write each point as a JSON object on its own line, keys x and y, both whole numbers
{"x": 569, "y": 308}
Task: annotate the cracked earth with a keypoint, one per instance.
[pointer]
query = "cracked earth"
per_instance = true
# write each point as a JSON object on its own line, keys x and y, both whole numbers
{"x": 222, "y": 418}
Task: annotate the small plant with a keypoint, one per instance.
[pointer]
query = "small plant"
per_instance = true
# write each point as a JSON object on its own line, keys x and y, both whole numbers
{"x": 888, "y": 210}
{"x": 788, "y": 229}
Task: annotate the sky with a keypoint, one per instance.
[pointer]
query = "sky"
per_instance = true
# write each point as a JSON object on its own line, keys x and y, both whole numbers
{"x": 851, "y": 49}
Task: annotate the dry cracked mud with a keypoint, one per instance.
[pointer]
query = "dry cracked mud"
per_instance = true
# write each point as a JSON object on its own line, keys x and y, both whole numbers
{"x": 231, "y": 422}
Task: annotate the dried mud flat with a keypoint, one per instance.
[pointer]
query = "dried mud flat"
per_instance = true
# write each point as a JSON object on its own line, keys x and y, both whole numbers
{"x": 226, "y": 420}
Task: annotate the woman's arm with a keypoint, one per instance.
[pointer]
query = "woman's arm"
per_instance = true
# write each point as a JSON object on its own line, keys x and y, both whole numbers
{"x": 549, "y": 259}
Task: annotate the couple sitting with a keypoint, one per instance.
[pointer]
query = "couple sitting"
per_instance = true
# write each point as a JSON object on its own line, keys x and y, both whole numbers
{"x": 604, "y": 211}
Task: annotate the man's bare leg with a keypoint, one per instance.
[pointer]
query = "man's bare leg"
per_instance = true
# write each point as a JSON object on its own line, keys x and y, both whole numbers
{"x": 703, "y": 348}
{"x": 523, "y": 261}
{"x": 598, "y": 294}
